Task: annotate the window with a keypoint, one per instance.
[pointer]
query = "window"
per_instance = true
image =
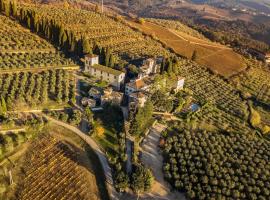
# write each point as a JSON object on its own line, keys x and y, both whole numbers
{"x": 108, "y": 74}
{"x": 115, "y": 77}
{"x": 95, "y": 70}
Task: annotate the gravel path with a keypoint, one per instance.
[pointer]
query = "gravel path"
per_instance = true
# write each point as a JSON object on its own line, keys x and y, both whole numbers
{"x": 152, "y": 158}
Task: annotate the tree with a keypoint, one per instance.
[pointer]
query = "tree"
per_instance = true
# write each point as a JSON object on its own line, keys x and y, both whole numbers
{"x": 141, "y": 21}
{"x": 141, "y": 179}
{"x": 3, "y": 106}
{"x": 194, "y": 55}
{"x": 121, "y": 181}
{"x": 86, "y": 46}
{"x": 89, "y": 114}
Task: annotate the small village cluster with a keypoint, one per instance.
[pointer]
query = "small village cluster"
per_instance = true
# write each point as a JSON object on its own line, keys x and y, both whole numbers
{"x": 136, "y": 90}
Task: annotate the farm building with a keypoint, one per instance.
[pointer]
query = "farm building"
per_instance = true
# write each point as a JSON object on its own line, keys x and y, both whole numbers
{"x": 112, "y": 76}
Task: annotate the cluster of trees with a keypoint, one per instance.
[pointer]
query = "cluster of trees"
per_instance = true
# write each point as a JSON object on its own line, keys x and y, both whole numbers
{"x": 71, "y": 116}
{"x": 216, "y": 165}
{"x": 9, "y": 141}
{"x": 57, "y": 33}
{"x": 142, "y": 119}
{"x": 33, "y": 88}
{"x": 238, "y": 33}
{"x": 169, "y": 65}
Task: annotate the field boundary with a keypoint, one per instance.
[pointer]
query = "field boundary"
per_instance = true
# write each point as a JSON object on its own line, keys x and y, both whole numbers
{"x": 39, "y": 69}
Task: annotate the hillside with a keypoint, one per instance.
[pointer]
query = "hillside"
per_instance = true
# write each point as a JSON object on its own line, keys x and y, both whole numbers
{"x": 186, "y": 41}
{"x": 217, "y": 21}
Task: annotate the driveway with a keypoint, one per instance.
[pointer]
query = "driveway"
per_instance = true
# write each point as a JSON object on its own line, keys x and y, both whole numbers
{"x": 152, "y": 158}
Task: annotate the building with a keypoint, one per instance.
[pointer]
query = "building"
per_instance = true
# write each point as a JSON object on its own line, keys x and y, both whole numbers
{"x": 149, "y": 66}
{"x": 112, "y": 97}
{"x": 260, "y": 55}
{"x": 88, "y": 102}
{"x": 113, "y": 77}
{"x": 179, "y": 84}
{"x": 138, "y": 98}
{"x": 135, "y": 86}
{"x": 95, "y": 93}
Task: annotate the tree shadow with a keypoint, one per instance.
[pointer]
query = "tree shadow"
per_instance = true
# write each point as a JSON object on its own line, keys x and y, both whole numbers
{"x": 75, "y": 154}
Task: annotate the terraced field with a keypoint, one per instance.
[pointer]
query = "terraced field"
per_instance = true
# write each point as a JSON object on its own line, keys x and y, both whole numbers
{"x": 102, "y": 30}
{"x": 20, "y": 49}
{"x": 53, "y": 170}
{"x": 27, "y": 89}
{"x": 210, "y": 88}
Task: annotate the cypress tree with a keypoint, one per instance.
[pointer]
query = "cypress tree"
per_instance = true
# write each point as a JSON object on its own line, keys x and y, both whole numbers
{"x": 107, "y": 57}
{"x": 194, "y": 55}
{"x": 86, "y": 46}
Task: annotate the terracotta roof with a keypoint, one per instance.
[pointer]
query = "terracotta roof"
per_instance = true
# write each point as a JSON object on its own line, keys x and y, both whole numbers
{"x": 138, "y": 84}
{"x": 107, "y": 69}
{"x": 91, "y": 56}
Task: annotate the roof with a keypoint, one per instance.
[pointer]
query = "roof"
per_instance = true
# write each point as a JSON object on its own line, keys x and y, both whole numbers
{"x": 95, "y": 91}
{"x": 107, "y": 69}
{"x": 137, "y": 84}
{"x": 137, "y": 95}
{"x": 91, "y": 56}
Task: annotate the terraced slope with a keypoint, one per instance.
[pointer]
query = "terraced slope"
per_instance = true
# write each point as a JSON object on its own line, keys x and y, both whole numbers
{"x": 20, "y": 49}
{"x": 102, "y": 30}
{"x": 185, "y": 41}
{"x": 54, "y": 170}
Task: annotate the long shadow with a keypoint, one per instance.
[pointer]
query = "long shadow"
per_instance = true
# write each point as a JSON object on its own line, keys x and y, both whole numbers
{"x": 71, "y": 152}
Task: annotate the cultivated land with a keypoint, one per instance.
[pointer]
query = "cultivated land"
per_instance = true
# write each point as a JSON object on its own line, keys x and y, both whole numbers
{"x": 184, "y": 41}
{"x": 102, "y": 30}
{"x": 22, "y": 50}
{"x": 60, "y": 166}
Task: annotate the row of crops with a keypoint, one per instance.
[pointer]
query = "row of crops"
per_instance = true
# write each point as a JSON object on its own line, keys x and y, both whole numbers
{"x": 256, "y": 82}
{"x": 209, "y": 165}
{"x": 27, "y": 88}
{"x": 210, "y": 88}
{"x": 53, "y": 171}
{"x": 33, "y": 60}
{"x": 21, "y": 49}
{"x": 13, "y": 37}
{"x": 101, "y": 30}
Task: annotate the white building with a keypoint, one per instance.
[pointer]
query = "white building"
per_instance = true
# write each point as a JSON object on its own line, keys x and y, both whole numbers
{"x": 179, "y": 84}
{"x": 112, "y": 76}
{"x": 135, "y": 86}
{"x": 149, "y": 67}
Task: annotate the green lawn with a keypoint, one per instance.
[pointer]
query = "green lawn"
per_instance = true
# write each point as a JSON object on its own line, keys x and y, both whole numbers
{"x": 112, "y": 121}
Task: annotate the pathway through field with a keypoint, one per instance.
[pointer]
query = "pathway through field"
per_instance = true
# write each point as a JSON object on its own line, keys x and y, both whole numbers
{"x": 152, "y": 158}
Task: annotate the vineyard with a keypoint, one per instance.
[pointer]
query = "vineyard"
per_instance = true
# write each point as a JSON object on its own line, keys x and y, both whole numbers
{"x": 21, "y": 49}
{"x": 208, "y": 165}
{"x": 36, "y": 89}
{"x": 101, "y": 30}
{"x": 53, "y": 170}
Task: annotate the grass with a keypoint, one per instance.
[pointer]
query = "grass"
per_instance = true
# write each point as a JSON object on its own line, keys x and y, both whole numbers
{"x": 112, "y": 121}
{"x": 218, "y": 58}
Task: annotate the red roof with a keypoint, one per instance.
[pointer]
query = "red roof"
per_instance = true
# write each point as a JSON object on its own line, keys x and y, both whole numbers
{"x": 91, "y": 56}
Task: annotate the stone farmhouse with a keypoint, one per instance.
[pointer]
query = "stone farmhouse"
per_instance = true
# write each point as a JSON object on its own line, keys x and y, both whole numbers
{"x": 113, "y": 77}
{"x": 149, "y": 67}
